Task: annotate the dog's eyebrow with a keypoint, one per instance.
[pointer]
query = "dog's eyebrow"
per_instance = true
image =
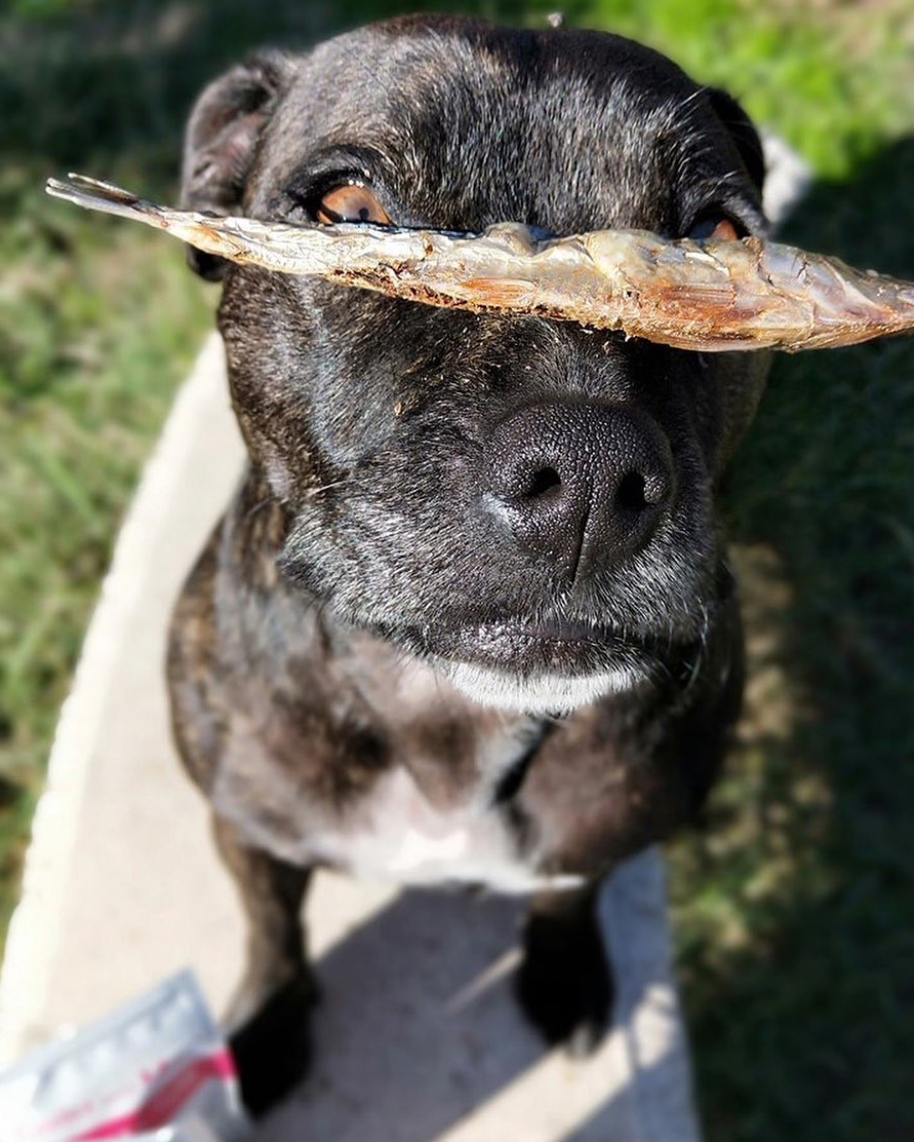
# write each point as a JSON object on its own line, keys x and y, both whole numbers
{"x": 732, "y": 185}
{"x": 336, "y": 158}
{"x": 730, "y": 192}
{"x": 333, "y": 164}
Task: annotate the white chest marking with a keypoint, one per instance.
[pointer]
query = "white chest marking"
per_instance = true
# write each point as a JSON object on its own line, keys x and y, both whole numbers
{"x": 397, "y": 835}
{"x": 417, "y": 849}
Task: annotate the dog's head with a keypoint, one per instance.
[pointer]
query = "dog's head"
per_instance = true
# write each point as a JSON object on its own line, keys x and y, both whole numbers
{"x": 527, "y": 503}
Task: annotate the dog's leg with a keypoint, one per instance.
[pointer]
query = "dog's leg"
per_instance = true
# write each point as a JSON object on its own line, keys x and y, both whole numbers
{"x": 269, "y": 1017}
{"x": 564, "y": 983}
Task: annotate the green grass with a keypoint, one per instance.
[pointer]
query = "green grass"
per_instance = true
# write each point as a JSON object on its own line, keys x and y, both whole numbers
{"x": 794, "y": 904}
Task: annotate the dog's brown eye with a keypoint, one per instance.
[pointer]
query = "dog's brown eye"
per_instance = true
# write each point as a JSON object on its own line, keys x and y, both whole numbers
{"x": 352, "y": 202}
{"x": 715, "y": 227}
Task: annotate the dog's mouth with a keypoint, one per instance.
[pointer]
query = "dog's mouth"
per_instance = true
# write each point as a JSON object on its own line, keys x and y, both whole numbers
{"x": 535, "y": 665}
{"x": 540, "y": 667}
{"x": 558, "y": 645}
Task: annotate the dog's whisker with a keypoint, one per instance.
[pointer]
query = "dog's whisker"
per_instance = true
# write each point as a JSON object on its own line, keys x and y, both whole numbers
{"x": 265, "y": 502}
{"x": 310, "y": 493}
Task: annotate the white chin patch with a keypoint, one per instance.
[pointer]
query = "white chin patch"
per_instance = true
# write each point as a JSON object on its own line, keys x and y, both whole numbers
{"x": 541, "y": 694}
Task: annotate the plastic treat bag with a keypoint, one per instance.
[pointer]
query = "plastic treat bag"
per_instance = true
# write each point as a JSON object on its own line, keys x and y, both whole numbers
{"x": 156, "y": 1069}
{"x": 191, "y": 1130}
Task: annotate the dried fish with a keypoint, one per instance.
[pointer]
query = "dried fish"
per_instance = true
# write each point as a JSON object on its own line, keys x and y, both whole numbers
{"x": 707, "y": 296}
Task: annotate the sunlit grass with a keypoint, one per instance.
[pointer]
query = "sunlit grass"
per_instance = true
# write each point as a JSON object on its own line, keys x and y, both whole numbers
{"x": 794, "y": 913}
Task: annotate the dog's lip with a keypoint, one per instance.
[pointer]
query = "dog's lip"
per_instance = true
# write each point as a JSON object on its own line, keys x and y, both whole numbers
{"x": 544, "y": 631}
{"x": 529, "y": 645}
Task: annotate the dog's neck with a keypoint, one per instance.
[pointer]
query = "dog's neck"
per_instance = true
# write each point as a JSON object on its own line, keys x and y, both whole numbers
{"x": 457, "y": 750}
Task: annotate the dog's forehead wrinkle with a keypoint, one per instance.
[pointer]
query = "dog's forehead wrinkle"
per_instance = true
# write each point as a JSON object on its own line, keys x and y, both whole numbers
{"x": 536, "y": 127}
{"x": 533, "y": 160}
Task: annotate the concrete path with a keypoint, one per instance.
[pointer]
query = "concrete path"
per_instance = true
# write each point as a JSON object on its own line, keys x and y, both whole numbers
{"x": 418, "y": 1038}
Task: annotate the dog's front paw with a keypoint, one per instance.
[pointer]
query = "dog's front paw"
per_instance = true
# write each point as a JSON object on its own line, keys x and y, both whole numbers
{"x": 564, "y": 983}
{"x": 272, "y": 1048}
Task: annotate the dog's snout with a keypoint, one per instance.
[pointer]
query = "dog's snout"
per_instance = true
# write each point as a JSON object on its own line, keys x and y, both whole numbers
{"x": 584, "y": 484}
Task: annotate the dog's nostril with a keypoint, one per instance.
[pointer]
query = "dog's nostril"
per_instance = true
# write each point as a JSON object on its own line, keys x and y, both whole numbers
{"x": 636, "y": 491}
{"x": 631, "y": 493}
{"x": 542, "y": 482}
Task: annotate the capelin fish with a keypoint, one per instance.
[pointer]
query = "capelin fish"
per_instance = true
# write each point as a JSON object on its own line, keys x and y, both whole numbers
{"x": 708, "y": 296}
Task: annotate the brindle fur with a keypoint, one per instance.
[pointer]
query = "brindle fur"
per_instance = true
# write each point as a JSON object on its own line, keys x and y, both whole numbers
{"x": 309, "y": 649}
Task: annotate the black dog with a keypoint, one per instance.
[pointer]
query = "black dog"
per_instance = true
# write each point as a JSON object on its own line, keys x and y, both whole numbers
{"x": 454, "y": 529}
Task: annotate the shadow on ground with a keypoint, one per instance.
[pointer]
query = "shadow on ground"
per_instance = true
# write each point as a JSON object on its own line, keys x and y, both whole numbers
{"x": 419, "y": 1035}
{"x": 456, "y": 1045}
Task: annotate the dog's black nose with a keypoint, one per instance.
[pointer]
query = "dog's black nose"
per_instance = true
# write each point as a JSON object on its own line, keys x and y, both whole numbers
{"x": 584, "y": 484}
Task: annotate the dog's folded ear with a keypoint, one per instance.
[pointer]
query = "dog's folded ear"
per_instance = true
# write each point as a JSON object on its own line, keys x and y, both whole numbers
{"x": 221, "y": 140}
{"x": 743, "y": 132}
